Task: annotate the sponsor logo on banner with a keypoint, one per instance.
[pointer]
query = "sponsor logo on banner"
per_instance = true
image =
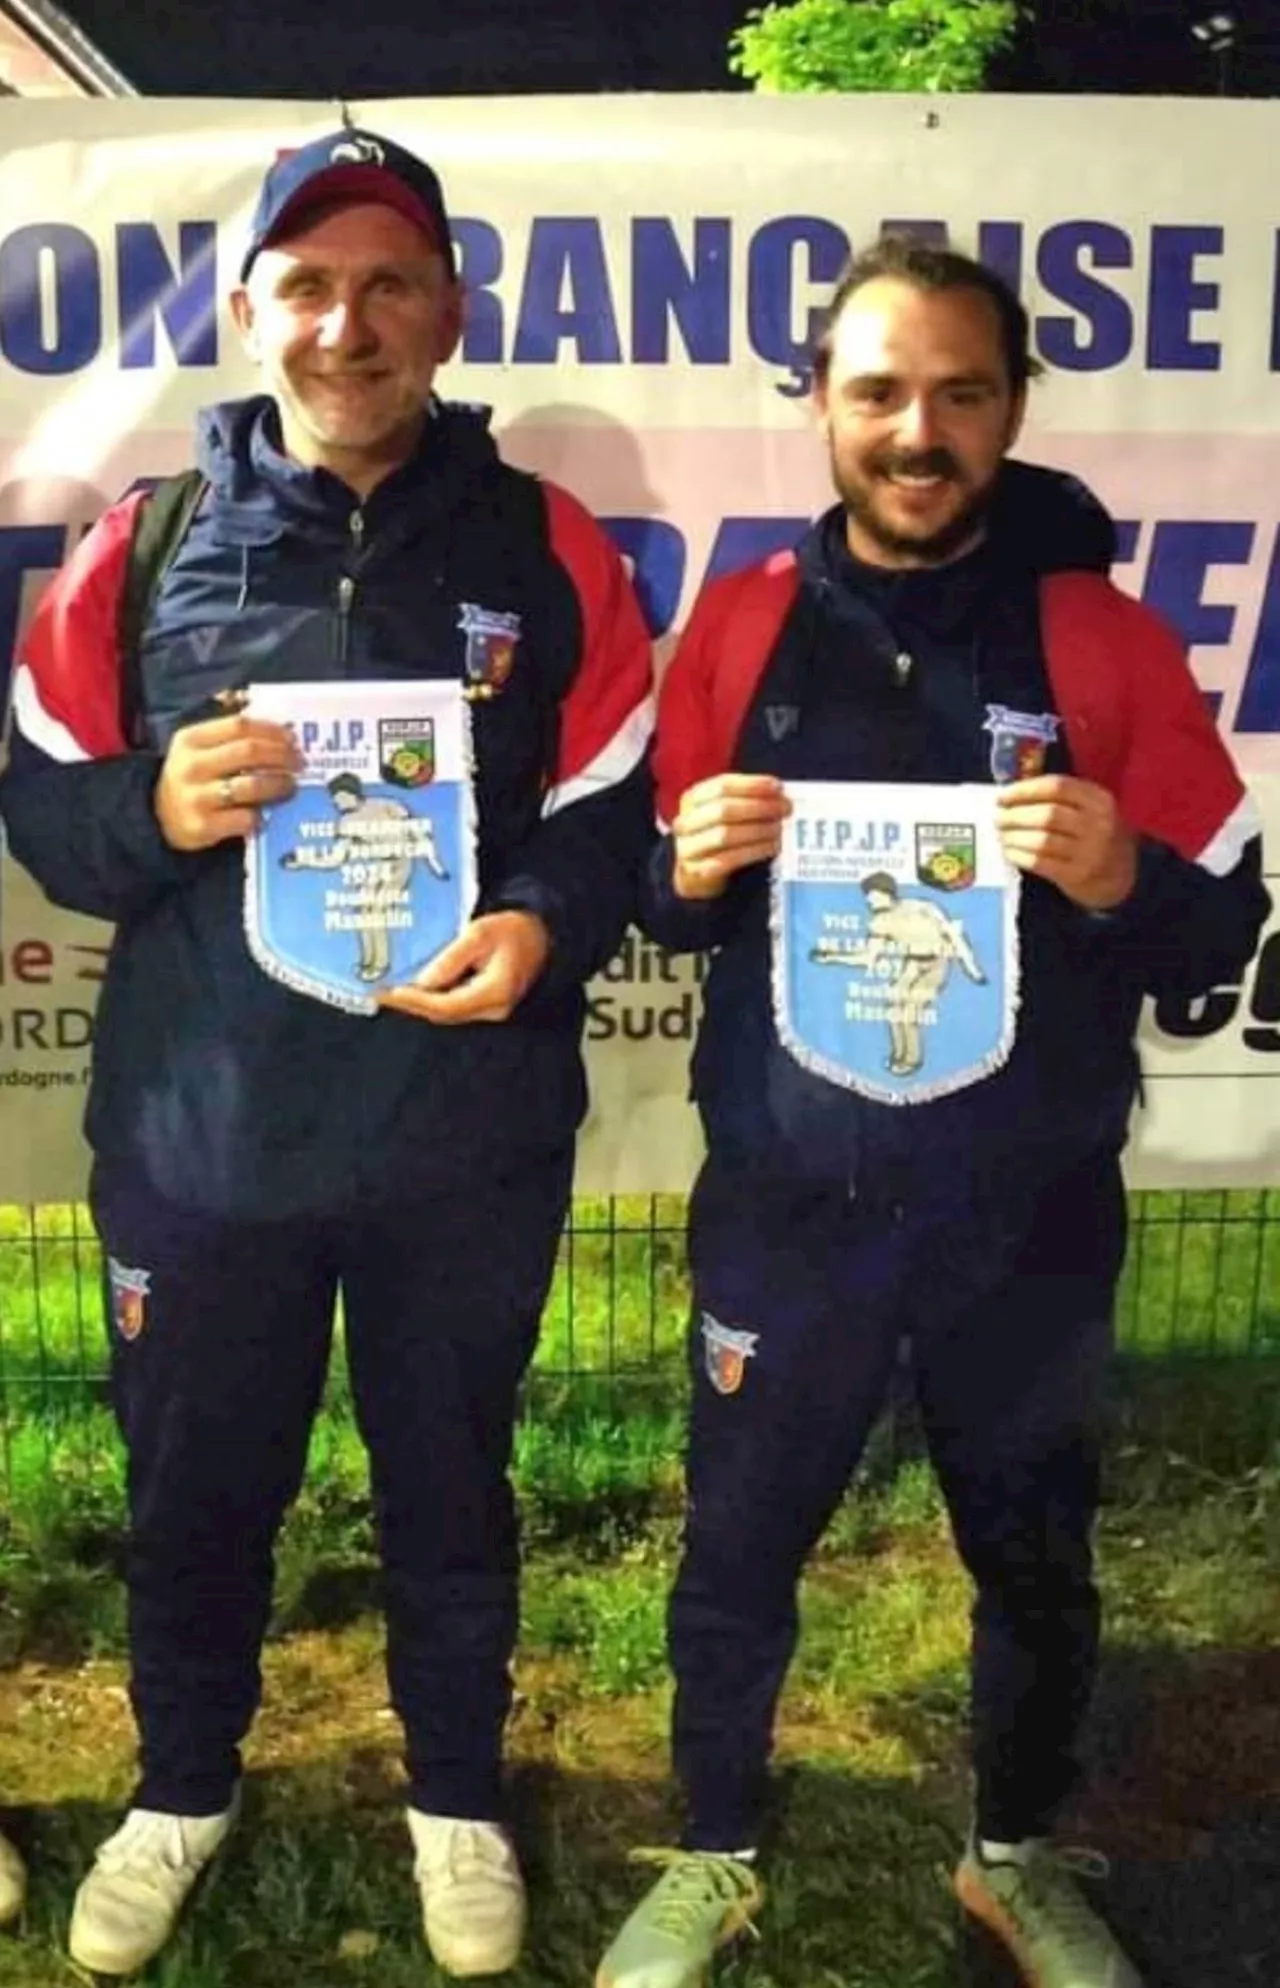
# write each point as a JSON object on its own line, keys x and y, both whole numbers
{"x": 946, "y": 855}
{"x": 407, "y": 751}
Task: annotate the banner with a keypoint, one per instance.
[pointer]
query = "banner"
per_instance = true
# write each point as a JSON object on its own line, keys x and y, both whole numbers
{"x": 895, "y": 937}
{"x": 643, "y": 283}
{"x": 368, "y": 870}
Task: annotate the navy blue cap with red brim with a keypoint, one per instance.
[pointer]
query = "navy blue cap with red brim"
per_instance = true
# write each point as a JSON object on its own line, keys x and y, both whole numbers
{"x": 347, "y": 166}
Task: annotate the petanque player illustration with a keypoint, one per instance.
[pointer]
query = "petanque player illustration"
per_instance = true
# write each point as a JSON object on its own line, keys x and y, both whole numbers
{"x": 910, "y": 949}
{"x": 383, "y": 855}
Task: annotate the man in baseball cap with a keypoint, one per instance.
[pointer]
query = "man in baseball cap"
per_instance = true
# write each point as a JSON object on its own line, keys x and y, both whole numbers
{"x": 258, "y": 1153}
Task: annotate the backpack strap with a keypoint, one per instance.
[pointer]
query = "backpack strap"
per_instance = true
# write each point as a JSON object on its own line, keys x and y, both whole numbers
{"x": 160, "y": 524}
{"x": 517, "y": 526}
{"x": 518, "y": 503}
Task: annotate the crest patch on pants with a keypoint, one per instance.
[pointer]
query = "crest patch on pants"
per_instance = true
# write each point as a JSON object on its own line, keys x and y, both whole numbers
{"x": 129, "y": 1292}
{"x": 726, "y": 1352}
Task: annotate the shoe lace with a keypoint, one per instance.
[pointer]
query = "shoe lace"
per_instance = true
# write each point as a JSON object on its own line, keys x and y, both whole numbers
{"x": 1047, "y": 1892}
{"x": 469, "y": 1848}
{"x": 145, "y": 1847}
{"x": 696, "y": 1882}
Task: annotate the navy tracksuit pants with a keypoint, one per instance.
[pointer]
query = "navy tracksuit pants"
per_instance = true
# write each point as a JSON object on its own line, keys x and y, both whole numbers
{"x": 1005, "y": 1284}
{"x": 217, "y": 1377}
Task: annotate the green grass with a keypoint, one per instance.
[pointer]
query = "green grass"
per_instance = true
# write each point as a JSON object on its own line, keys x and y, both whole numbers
{"x": 598, "y": 1451}
{"x": 1203, "y": 1273}
{"x": 871, "y": 1787}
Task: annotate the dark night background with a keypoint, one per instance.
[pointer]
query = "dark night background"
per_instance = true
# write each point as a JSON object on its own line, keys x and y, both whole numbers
{"x": 368, "y": 48}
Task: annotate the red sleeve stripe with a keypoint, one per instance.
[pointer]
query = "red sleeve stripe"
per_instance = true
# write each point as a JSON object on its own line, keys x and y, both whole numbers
{"x": 38, "y": 726}
{"x": 712, "y": 679}
{"x": 607, "y": 713}
{"x": 69, "y": 662}
{"x": 615, "y": 760}
{"x": 1137, "y": 722}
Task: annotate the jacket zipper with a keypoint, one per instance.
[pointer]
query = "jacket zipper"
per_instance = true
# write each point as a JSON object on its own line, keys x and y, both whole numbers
{"x": 347, "y": 586}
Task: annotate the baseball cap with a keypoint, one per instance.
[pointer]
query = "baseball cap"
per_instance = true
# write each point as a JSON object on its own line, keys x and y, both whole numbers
{"x": 348, "y": 166}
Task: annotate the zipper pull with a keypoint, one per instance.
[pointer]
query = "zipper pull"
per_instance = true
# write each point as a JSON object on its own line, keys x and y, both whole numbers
{"x": 356, "y": 527}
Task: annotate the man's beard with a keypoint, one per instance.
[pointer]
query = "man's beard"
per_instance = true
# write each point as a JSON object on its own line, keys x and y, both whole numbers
{"x": 928, "y": 548}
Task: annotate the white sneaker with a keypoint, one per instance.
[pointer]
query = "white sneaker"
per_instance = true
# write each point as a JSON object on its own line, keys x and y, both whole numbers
{"x": 13, "y": 1883}
{"x": 473, "y": 1902}
{"x": 128, "y": 1905}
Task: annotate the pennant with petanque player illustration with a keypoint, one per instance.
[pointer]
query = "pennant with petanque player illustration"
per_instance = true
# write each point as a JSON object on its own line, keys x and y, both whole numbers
{"x": 895, "y": 937}
{"x": 369, "y": 869}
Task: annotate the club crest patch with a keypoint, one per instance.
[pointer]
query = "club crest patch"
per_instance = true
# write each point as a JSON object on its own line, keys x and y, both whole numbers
{"x": 129, "y": 1292}
{"x": 726, "y": 1351}
{"x": 407, "y": 751}
{"x": 946, "y": 854}
{"x": 491, "y": 648}
{"x": 1020, "y": 741}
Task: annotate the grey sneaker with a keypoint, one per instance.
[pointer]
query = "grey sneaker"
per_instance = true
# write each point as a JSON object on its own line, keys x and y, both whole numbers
{"x": 1037, "y": 1910}
{"x": 701, "y": 1902}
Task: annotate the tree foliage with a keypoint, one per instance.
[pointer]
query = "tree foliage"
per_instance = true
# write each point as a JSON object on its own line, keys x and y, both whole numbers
{"x": 799, "y": 45}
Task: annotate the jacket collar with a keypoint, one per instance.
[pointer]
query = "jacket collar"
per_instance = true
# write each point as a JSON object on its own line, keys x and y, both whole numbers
{"x": 259, "y": 492}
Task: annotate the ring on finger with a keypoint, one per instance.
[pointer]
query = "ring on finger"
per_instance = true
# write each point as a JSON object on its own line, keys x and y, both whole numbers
{"x": 227, "y": 789}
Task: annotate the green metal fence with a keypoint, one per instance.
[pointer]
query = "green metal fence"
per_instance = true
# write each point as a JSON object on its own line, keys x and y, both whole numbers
{"x": 1202, "y": 1279}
